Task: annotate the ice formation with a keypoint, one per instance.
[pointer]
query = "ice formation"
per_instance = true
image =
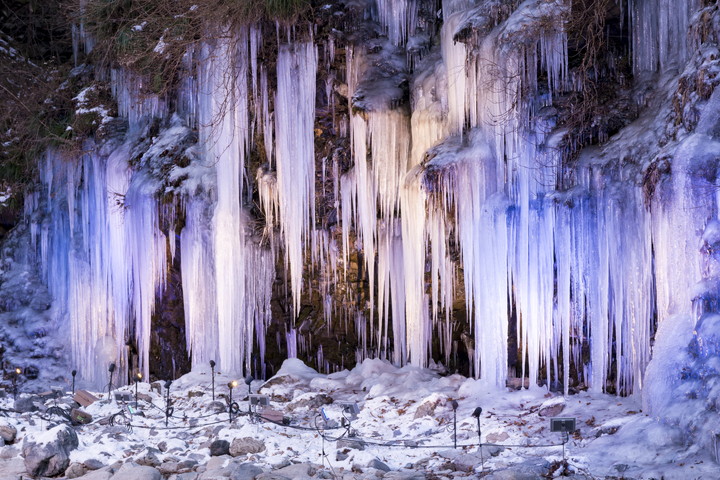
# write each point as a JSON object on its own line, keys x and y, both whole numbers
{"x": 456, "y": 189}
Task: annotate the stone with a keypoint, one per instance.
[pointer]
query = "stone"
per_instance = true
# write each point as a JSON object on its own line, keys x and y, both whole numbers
{"x": 93, "y": 464}
{"x": 493, "y": 450}
{"x": 47, "y": 454}
{"x": 350, "y": 443}
{"x": 218, "y": 462}
{"x": 496, "y": 437}
{"x": 395, "y": 475}
{"x": 168, "y": 468}
{"x": 297, "y": 471}
{"x": 216, "y": 407}
{"x": 103, "y": 474}
{"x": 426, "y": 409}
{"x": 219, "y": 447}
{"x": 271, "y": 476}
{"x": 311, "y": 401}
{"x": 552, "y": 410}
{"x": 529, "y": 470}
{"x": 131, "y": 471}
{"x": 244, "y": 471}
{"x": 75, "y": 470}
{"x": 26, "y": 403}
{"x": 148, "y": 457}
{"x": 186, "y": 476}
{"x": 245, "y": 445}
{"x": 8, "y": 433}
{"x": 378, "y": 465}
{"x": 465, "y": 463}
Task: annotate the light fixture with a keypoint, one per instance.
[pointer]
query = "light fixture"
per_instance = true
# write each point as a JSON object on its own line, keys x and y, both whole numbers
{"x": 454, "y": 405}
{"x": 137, "y": 378}
{"x": 231, "y": 385}
{"x": 212, "y": 370}
{"x": 111, "y": 369}
{"x": 15, "y": 379}
{"x": 168, "y": 404}
{"x": 563, "y": 425}
{"x": 476, "y": 413}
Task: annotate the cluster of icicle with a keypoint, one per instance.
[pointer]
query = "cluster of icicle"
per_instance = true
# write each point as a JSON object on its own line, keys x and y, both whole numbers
{"x": 469, "y": 167}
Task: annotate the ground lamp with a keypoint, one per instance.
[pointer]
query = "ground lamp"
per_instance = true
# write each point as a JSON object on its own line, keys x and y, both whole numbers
{"x": 231, "y": 385}
{"x": 248, "y": 382}
{"x": 564, "y": 425}
{"x": 15, "y": 379}
{"x": 476, "y": 413}
{"x": 111, "y": 369}
{"x": 73, "y": 373}
{"x": 212, "y": 370}
{"x": 454, "y": 404}
{"x": 168, "y": 404}
{"x": 137, "y": 378}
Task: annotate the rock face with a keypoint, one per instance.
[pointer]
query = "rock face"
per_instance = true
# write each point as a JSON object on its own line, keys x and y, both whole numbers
{"x": 48, "y": 454}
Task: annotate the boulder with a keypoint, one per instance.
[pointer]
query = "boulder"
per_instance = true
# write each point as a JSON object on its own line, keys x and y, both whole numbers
{"x": 26, "y": 403}
{"x": 244, "y": 471}
{"x": 219, "y": 447}
{"x": 245, "y": 445}
{"x": 93, "y": 464}
{"x": 310, "y": 401}
{"x": 298, "y": 471}
{"x": 133, "y": 471}
{"x": 148, "y": 457}
{"x": 47, "y": 454}
{"x": 75, "y": 470}
{"x": 378, "y": 465}
{"x": 8, "y": 433}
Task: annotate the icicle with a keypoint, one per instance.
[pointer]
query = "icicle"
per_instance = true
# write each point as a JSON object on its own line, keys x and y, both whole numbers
{"x": 659, "y": 33}
{"x": 294, "y": 122}
{"x": 197, "y": 246}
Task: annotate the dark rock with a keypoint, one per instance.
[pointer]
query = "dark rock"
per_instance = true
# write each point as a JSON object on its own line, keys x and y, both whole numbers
{"x": 8, "y": 433}
{"x": 26, "y": 403}
{"x": 219, "y": 447}
{"x": 93, "y": 464}
{"x": 244, "y": 471}
{"x": 245, "y": 445}
{"x": 350, "y": 443}
{"x": 378, "y": 465}
{"x": 48, "y": 454}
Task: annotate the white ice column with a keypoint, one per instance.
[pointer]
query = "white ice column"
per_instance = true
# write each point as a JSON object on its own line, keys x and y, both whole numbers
{"x": 295, "y": 154}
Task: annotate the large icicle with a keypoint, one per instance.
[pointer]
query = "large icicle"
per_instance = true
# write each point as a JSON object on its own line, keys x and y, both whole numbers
{"x": 223, "y": 121}
{"x": 295, "y": 154}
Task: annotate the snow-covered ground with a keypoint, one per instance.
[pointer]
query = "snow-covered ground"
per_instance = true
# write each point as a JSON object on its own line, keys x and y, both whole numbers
{"x": 404, "y": 429}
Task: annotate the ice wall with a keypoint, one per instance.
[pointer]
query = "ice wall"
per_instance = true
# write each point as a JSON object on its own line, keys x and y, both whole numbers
{"x": 454, "y": 187}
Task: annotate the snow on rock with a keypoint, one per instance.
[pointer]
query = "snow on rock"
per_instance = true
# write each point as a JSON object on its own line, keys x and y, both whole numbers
{"x": 404, "y": 432}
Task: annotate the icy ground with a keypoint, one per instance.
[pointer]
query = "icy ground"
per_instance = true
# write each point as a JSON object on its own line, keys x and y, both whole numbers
{"x": 404, "y": 430}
